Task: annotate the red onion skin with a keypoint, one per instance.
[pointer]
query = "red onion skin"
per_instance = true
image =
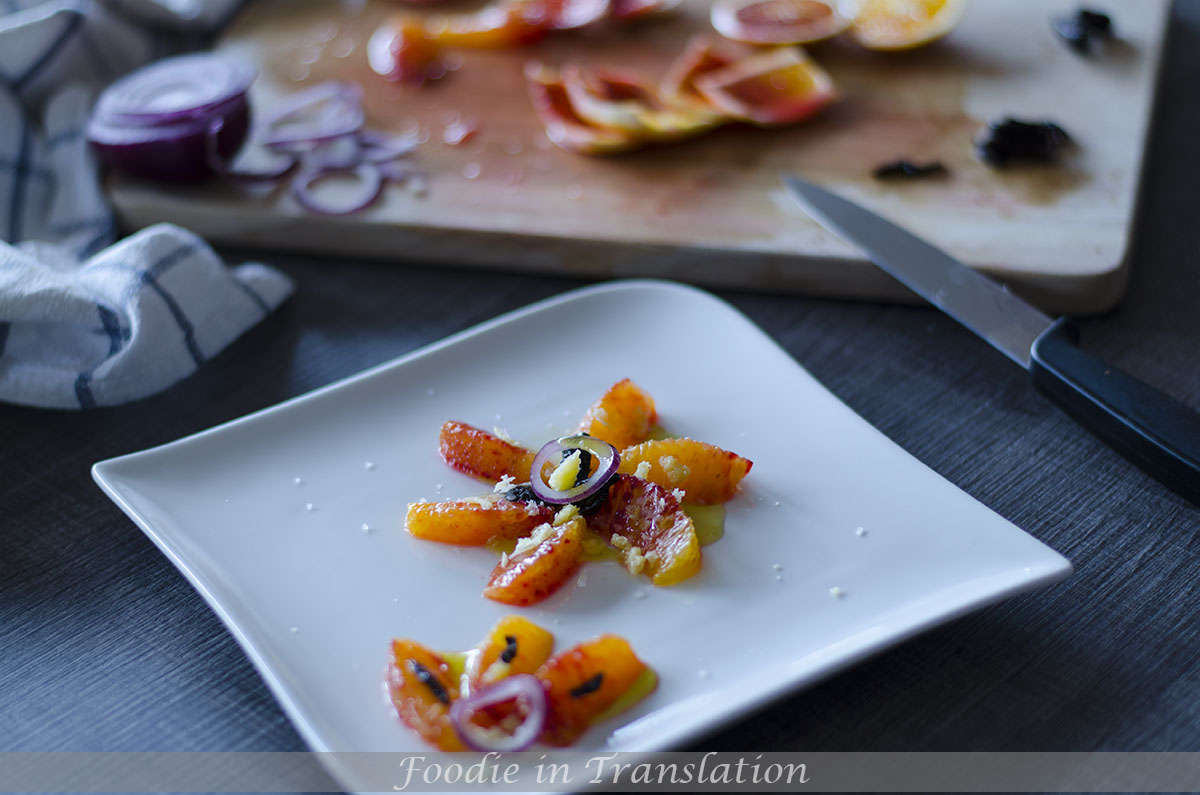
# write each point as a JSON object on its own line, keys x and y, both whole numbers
{"x": 509, "y": 688}
{"x": 170, "y": 154}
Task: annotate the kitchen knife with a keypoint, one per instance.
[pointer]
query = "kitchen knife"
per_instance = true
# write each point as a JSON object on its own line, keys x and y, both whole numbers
{"x": 1150, "y": 428}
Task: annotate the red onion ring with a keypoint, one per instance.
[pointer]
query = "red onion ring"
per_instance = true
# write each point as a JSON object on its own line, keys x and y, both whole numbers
{"x": 321, "y": 113}
{"x": 278, "y": 166}
{"x": 526, "y": 691}
{"x": 380, "y": 147}
{"x": 607, "y": 455}
{"x": 370, "y": 181}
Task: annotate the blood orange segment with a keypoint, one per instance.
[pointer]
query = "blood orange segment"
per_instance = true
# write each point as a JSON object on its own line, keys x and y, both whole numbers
{"x": 609, "y": 98}
{"x": 515, "y": 645}
{"x": 481, "y": 454}
{"x": 582, "y": 682}
{"x": 564, "y": 126}
{"x": 703, "y": 54}
{"x": 493, "y": 26}
{"x": 638, "y": 9}
{"x": 474, "y": 522}
{"x": 779, "y": 86}
{"x": 707, "y": 474}
{"x": 904, "y": 24}
{"x": 778, "y": 21}
{"x": 624, "y": 415}
{"x": 649, "y": 529}
{"x": 422, "y": 688}
{"x": 566, "y": 14}
{"x": 539, "y": 565}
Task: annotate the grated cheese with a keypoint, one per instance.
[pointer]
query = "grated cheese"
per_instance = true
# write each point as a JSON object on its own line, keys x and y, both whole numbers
{"x": 676, "y": 472}
{"x": 563, "y": 477}
{"x": 565, "y": 514}
{"x": 506, "y": 483}
{"x": 643, "y": 470}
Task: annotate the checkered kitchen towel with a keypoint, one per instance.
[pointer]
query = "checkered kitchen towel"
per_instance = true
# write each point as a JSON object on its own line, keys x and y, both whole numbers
{"x": 85, "y": 321}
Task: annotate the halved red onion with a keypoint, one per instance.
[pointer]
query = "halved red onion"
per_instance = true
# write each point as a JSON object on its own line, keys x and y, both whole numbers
{"x": 524, "y": 692}
{"x": 184, "y": 88}
{"x": 157, "y": 122}
{"x": 321, "y": 113}
{"x": 176, "y": 152}
{"x": 606, "y": 455}
{"x": 370, "y": 183}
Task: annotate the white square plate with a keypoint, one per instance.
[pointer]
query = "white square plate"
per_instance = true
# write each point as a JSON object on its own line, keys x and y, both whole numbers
{"x": 314, "y": 599}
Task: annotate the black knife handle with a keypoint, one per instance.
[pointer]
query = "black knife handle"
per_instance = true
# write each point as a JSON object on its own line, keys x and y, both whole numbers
{"x": 1150, "y": 428}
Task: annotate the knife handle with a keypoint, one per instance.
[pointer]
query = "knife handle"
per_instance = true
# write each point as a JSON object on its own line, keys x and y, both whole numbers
{"x": 1149, "y": 427}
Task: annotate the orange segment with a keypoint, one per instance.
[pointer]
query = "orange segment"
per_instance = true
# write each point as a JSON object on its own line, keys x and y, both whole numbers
{"x": 481, "y": 454}
{"x": 706, "y": 473}
{"x": 539, "y": 565}
{"x": 650, "y": 530}
{"x": 494, "y": 26}
{"x": 515, "y": 645}
{"x": 474, "y": 521}
{"x": 421, "y": 688}
{"x": 904, "y": 24}
{"x": 608, "y": 98}
{"x": 703, "y": 54}
{"x": 778, "y": 21}
{"x": 623, "y": 416}
{"x": 582, "y": 682}
{"x": 564, "y": 126}
{"x": 777, "y": 86}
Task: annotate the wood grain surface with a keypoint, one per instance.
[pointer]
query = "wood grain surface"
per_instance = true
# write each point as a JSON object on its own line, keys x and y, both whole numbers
{"x": 711, "y": 210}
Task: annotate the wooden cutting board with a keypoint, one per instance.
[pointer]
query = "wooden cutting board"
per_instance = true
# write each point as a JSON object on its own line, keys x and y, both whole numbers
{"x": 711, "y": 210}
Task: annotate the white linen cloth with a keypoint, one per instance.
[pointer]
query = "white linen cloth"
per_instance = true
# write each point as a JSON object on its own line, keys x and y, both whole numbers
{"x": 84, "y": 321}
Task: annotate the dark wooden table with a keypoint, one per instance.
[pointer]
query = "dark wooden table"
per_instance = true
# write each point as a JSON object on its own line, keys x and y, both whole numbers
{"x": 104, "y": 645}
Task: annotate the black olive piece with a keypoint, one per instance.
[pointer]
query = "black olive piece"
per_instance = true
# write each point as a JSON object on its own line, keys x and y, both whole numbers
{"x": 590, "y": 686}
{"x": 1011, "y": 139}
{"x": 590, "y": 505}
{"x": 426, "y": 677}
{"x": 585, "y": 464}
{"x": 1083, "y": 30}
{"x": 522, "y": 492}
{"x": 906, "y": 169}
{"x": 510, "y": 649}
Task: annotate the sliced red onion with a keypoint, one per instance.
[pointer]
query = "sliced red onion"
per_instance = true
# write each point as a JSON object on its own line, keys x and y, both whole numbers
{"x": 253, "y": 164}
{"x": 185, "y": 88}
{"x": 370, "y": 184}
{"x": 606, "y": 455}
{"x": 380, "y": 147}
{"x": 336, "y": 153}
{"x": 522, "y": 690}
{"x": 321, "y": 113}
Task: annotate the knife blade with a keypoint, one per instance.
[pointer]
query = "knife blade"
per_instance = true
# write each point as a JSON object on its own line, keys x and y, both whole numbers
{"x": 1147, "y": 426}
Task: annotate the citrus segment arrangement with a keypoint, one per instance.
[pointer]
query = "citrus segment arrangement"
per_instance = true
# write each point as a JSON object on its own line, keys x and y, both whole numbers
{"x": 609, "y": 487}
{"x": 508, "y": 692}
